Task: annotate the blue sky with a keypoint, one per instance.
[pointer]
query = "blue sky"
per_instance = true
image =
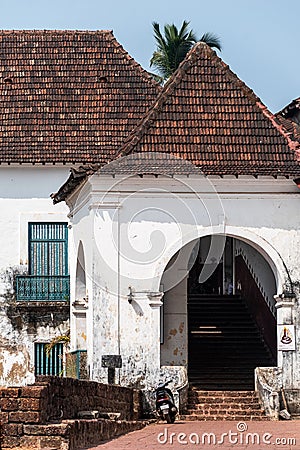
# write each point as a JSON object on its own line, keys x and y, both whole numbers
{"x": 260, "y": 38}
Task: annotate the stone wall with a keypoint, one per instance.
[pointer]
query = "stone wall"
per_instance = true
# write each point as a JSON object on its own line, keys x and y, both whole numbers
{"x": 32, "y": 410}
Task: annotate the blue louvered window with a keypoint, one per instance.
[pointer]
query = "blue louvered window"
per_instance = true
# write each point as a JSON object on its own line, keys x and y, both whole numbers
{"x": 48, "y": 249}
{"x": 48, "y": 364}
{"x": 48, "y": 278}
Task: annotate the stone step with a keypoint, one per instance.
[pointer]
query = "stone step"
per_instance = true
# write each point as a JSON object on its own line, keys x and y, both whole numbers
{"x": 223, "y": 405}
{"x": 204, "y": 401}
{"x": 228, "y": 384}
{"x": 223, "y": 334}
{"x": 224, "y": 393}
{"x": 206, "y": 417}
{"x": 226, "y": 411}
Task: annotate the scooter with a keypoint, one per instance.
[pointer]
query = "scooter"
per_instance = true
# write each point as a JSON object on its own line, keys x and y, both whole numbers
{"x": 165, "y": 405}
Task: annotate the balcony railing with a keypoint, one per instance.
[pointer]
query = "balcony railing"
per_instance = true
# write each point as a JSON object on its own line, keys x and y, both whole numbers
{"x": 42, "y": 288}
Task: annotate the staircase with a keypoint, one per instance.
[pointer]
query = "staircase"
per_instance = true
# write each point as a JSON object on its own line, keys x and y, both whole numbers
{"x": 225, "y": 344}
{"x": 223, "y": 405}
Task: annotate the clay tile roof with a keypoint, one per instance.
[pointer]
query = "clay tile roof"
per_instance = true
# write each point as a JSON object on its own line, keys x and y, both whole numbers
{"x": 68, "y": 96}
{"x": 135, "y": 164}
{"x": 207, "y": 115}
{"x": 289, "y": 118}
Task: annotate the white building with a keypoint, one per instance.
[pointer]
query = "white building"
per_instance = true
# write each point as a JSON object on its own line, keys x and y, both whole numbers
{"x": 192, "y": 228}
{"x": 179, "y": 253}
{"x": 67, "y": 98}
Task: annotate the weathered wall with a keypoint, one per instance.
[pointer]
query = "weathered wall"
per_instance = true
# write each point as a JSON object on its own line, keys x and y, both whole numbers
{"x": 138, "y": 224}
{"x": 175, "y": 325}
{"x": 24, "y": 197}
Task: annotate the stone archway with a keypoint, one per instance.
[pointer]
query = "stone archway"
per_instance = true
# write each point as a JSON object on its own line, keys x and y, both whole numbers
{"x": 176, "y": 334}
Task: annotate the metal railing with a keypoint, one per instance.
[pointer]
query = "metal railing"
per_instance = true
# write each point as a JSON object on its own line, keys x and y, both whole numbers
{"x": 42, "y": 288}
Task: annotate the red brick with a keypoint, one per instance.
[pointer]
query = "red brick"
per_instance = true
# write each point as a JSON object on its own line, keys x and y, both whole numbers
{"x": 12, "y": 429}
{"x": 10, "y": 442}
{"x": 9, "y": 404}
{"x": 34, "y": 391}
{"x": 62, "y": 429}
{"x": 24, "y": 417}
{"x": 30, "y": 404}
{"x": 3, "y": 417}
{"x": 30, "y": 443}
{"x": 9, "y": 392}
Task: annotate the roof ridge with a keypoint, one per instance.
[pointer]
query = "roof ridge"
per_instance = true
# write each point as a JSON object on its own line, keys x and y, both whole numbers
{"x": 46, "y": 30}
{"x": 154, "y": 110}
{"x": 198, "y": 50}
{"x": 143, "y": 72}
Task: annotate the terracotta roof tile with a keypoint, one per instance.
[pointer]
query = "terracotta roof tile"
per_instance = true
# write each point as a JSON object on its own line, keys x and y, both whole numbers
{"x": 207, "y": 115}
{"x": 289, "y": 118}
{"x": 68, "y": 96}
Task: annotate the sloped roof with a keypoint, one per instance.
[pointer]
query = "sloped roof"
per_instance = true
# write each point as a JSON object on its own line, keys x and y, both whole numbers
{"x": 289, "y": 117}
{"x": 68, "y": 96}
{"x": 207, "y": 115}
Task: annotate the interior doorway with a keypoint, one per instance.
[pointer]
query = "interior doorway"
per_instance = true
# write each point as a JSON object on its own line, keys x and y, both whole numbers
{"x": 220, "y": 273}
{"x": 231, "y": 315}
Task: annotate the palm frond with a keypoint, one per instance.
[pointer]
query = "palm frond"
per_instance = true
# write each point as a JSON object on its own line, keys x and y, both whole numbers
{"x": 173, "y": 46}
{"x": 63, "y": 338}
{"x": 211, "y": 40}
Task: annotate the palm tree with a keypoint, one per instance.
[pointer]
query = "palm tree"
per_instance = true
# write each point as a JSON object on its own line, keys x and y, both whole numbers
{"x": 174, "y": 45}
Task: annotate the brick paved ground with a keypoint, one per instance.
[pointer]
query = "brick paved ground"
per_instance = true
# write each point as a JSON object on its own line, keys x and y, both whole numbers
{"x": 272, "y": 435}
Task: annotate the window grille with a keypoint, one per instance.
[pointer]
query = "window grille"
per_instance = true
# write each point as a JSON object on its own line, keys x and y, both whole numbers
{"x": 48, "y": 278}
{"x": 51, "y": 364}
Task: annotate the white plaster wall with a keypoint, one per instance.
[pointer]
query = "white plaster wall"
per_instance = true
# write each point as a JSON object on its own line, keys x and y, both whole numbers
{"x": 136, "y": 225}
{"x": 174, "y": 349}
{"x": 24, "y": 196}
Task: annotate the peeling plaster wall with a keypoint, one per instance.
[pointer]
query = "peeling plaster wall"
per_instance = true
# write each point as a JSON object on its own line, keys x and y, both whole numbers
{"x": 20, "y": 328}
{"x": 24, "y": 197}
{"x": 135, "y": 226}
{"x": 174, "y": 350}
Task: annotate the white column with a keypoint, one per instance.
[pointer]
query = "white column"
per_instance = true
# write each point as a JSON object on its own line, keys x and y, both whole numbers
{"x": 287, "y": 359}
{"x": 155, "y": 302}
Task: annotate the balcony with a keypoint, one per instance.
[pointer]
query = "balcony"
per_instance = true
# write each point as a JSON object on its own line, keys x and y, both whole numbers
{"x": 42, "y": 288}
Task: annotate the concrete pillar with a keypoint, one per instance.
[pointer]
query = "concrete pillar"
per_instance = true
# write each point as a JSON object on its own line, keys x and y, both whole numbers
{"x": 155, "y": 302}
{"x": 79, "y": 323}
{"x": 286, "y": 309}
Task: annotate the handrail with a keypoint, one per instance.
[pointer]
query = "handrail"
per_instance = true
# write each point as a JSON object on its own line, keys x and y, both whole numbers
{"x": 269, "y": 302}
{"x": 42, "y": 287}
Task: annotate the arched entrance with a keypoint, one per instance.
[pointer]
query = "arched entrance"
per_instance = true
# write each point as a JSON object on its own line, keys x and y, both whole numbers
{"x": 79, "y": 327}
{"x": 221, "y": 325}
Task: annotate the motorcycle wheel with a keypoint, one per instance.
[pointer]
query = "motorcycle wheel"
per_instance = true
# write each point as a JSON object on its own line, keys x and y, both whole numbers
{"x": 168, "y": 418}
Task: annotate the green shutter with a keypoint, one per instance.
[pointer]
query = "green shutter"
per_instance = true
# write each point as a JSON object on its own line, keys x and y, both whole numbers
{"x": 48, "y": 249}
{"x": 51, "y": 364}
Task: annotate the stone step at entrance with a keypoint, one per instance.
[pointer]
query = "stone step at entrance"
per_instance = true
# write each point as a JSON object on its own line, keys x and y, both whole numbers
{"x": 225, "y": 344}
{"x": 223, "y": 405}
